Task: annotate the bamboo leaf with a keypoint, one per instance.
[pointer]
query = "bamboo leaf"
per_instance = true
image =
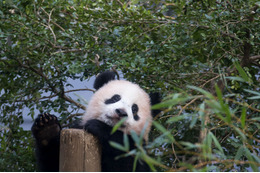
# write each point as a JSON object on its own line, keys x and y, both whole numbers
{"x": 242, "y": 135}
{"x": 224, "y": 107}
{"x": 256, "y": 118}
{"x": 252, "y": 92}
{"x": 256, "y": 157}
{"x": 241, "y": 72}
{"x": 126, "y": 142}
{"x": 135, "y": 162}
{"x": 171, "y": 102}
{"x": 193, "y": 121}
{"x": 206, "y": 93}
{"x": 114, "y": 129}
{"x": 117, "y": 146}
{"x": 240, "y": 153}
{"x": 150, "y": 161}
{"x": 136, "y": 138}
{"x": 235, "y": 78}
{"x": 176, "y": 118}
{"x": 190, "y": 145}
{"x": 250, "y": 158}
{"x": 216, "y": 142}
{"x": 164, "y": 131}
{"x": 254, "y": 98}
{"x": 159, "y": 127}
{"x": 144, "y": 129}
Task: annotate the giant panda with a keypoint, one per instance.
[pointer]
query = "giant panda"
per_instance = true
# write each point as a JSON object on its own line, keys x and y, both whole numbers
{"x": 112, "y": 101}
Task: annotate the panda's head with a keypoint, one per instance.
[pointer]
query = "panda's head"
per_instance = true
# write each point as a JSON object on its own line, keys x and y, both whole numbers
{"x": 117, "y": 99}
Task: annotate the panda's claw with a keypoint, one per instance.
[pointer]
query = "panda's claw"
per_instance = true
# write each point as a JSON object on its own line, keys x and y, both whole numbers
{"x": 45, "y": 128}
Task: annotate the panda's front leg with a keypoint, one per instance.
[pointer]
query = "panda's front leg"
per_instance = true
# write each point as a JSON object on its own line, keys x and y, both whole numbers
{"x": 103, "y": 132}
{"x": 99, "y": 129}
{"x": 46, "y": 131}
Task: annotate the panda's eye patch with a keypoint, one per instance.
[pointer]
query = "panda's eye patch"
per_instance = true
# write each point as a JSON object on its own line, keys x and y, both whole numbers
{"x": 115, "y": 98}
{"x": 135, "y": 110}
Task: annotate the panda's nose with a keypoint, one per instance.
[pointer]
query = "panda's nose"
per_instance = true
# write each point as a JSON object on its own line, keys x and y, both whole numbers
{"x": 121, "y": 113}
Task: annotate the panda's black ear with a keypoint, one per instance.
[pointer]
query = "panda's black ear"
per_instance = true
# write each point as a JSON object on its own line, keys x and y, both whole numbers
{"x": 104, "y": 78}
{"x": 155, "y": 99}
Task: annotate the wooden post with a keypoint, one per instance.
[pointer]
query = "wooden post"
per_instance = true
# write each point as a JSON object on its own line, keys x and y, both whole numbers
{"x": 79, "y": 151}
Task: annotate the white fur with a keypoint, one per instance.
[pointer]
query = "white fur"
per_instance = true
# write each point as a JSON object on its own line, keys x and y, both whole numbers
{"x": 130, "y": 94}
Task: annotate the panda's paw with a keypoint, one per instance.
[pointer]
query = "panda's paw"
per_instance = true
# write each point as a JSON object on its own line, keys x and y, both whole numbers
{"x": 46, "y": 127}
{"x": 98, "y": 129}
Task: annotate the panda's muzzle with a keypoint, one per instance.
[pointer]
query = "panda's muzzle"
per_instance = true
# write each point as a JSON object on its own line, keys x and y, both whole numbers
{"x": 121, "y": 113}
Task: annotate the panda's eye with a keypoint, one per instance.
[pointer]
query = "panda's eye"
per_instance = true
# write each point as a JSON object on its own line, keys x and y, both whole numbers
{"x": 115, "y": 98}
{"x": 135, "y": 110}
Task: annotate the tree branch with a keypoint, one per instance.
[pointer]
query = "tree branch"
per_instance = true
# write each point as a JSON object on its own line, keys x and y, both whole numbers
{"x": 256, "y": 57}
{"x": 40, "y": 73}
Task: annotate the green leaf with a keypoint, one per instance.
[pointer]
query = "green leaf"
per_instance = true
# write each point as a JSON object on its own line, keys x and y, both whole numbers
{"x": 193, "y": 121}
{"x": 190, "y": 145}
{"x": 257, "y": 159}
{"x": 216, "y": 142}
{"x": 138, "y": 140}
{"x": 224, "y": 107}
{"x": 253, "y": 92}
{"x": 256, "y": 118}
{"x": 206, "y": 93}
{"x": 236, "y": 78}
{"x": 254, "y": 98}
{"x": 240, "y": 153}
{"x": 118, "y": 146}
{"x": 126, "y": 142}
{"x": 164, "y": 131}
{"x": 171, "y": 102}
{"x": 202, "y": 109}
{"x": 150, "y": 161}
{"x": 176, "y": 118}
{"x": 135, "y": 162}
{"x": 242, "y": 72}
{"x": 144, "y": 129}
{"x": 114, "y": 129}
{"x": 242, "y": 135}
{"x": 250, "y": 158}
{"x": 159, "y": 127}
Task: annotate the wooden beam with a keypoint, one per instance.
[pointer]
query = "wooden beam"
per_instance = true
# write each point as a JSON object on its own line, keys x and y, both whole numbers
{"x": 79, "y": 152}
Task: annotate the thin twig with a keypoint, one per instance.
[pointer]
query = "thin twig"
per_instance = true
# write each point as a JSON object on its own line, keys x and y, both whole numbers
{"x": 174, "y": 153}
{"x": 49, "y": 21}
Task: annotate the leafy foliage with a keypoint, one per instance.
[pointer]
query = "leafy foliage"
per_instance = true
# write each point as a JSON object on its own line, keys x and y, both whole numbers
{"x": 203, "y": 56}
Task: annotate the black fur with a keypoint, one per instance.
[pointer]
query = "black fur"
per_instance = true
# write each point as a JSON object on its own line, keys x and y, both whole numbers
{"x": 155, "y": 98}
{"x": 46, "y": 130}
{"x": 115, "y": 98}
{"x": 104, "y": 78}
